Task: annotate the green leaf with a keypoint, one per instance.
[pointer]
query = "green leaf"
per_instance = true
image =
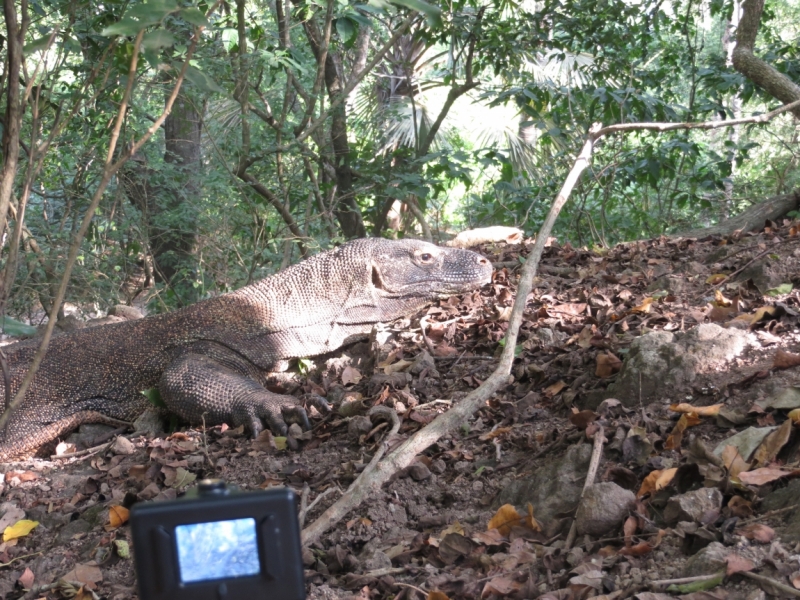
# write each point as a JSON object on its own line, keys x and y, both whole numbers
{"x": 194, "y": 16}
{"x": 36, "y": 45}
{"x": 346, "y": 29}
{"x": 697, "y": 586}
{"x": 154, "y": 396}
{"x": 782, "y": 289}
{"x": 152, "y": 12}
{"x": 160, "y": 38}
{"x": 124, "y": 27}
{"x": 13, "y": 327}
{"x": 432, "y": 13}
{"x": 202, "y": 81}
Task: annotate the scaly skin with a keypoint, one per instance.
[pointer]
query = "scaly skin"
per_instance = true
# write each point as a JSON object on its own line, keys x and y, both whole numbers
{"x": 210, "y": 360}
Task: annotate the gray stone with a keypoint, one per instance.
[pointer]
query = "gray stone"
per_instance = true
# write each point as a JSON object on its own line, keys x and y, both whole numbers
{"x": 782, "y": 498}
{"x": 554, "y": 488}
{"x": 662, "y": 364}
{"x": 129, "y": 313}
{"x": 708, "y": 561}
{"x": 149, "y": 423}
{"x": 358, "y": 426}
{"x": 603, "y": 508}
{"x": 71, "y": 529}
{"x": 422, "y": 362}
{"x": 698, "y": 506}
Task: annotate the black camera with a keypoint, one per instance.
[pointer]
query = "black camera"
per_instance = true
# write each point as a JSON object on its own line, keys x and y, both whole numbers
{"x": 217, "y": 543}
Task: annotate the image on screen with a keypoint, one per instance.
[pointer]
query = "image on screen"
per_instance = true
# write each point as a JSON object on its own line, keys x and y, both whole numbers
{"x": 217, "y": 550}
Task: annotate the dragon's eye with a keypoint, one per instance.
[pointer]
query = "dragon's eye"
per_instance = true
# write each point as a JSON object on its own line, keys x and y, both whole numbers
{"x": 426, "y": 257}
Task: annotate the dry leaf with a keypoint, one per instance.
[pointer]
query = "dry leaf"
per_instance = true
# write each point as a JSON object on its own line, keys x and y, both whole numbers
{"x": 773, "y": 444}
{"x": 785, "y": 360}
{"x": 437, "y": 595}
{"x": 26, "y": 579}
{"x": 607, "y": 365}
{"x": 763, "y": 475}
{"x": 87, "y": 574}
{"x": 19, "y": 529}
{"x": 757, "y": 533}
{"x": 738, "y": 564}
{"x": 351, "y": 375}
{"x": 656, "y": 480}
{"x": 644, "y": 307}
{"x": 504, "y": 519}
{"x": 716, "y": 278}
{"x": 117, "y": 516}
{"x": 687, "y": 420}
{"x": 740, "y": 507}
{"x": 733, "y": 461}
{"x": 551, "y": 390}
{"x": 702, "y": 411}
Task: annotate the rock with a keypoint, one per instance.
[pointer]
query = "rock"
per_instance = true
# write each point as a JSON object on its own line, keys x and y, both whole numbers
{"x": 419, "y": 472}
{"x": 71, "y": 529}
{"x": 87, "y": 434}
{"x": 149, "y": 423}
{"x": 708, "y": 561}
{"x": 123, "y": 445}
{"x": 603, "y": 508}
{"x": 424, "y": 361}
{"x": 783, "y": 498}
{"x": 766, "y": 274}
{"x": 661, "y": 364}
{"x": 698, "y": 506}
{"x": 554, "y": 488}
{"x": 128, "y": 313}
{"x": 358, "y": 426}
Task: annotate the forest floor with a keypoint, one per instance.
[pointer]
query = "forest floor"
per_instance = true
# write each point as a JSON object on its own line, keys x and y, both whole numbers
{"x": 668, "y": 509}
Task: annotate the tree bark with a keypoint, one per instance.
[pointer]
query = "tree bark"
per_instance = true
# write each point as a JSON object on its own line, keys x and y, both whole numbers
{"x": 756, "y": 70}
{"x": 346, "y": 208}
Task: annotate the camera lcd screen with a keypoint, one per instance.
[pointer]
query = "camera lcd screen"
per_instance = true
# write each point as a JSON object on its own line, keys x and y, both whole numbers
{"x": 217, "y": 550}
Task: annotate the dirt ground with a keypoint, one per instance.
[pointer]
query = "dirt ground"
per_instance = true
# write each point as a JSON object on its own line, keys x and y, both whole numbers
{"x": 670, "y": 518}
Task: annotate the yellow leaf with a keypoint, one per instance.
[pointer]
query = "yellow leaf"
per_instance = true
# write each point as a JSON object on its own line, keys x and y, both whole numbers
{"x": 504, "y": 519}
{"x": 644, "y": 307}
{"x": 117, "y": 516}
{"x": 715, "y": 279}
{"x": 794, "y": 415}
{"x": 19, "y": 529}
{"x": 280, "y": 442}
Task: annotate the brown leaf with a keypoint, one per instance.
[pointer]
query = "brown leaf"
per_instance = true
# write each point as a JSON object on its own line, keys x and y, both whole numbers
{"x": 656, "y": 480}
{"x": 582, "y": 419}
{"x": 757, "y": 533}
{"x": 733, "y": 461}
{"x": 773, "y": 444}
{"x": 701, "y": 411}
{"x": 639, "y": 549}
{"x": 87, "y": 574}
{"x": 740, "y": 507}
{"x": 437, "y": 595}
{"x": 738, "y": 564}
{"x": 265, "y": 442}
{"x": 500, "y": 586}
{"x": 785, "y": 360}
{"x": 764, "y": 475}
{"x": 629, "y": 528}
{"x": 26, "y": 579}
{"x": 551, "y": 390}
{"x": 607, "y": 365}
{"x": 716, "y": 278}
{"x": 351, "y": 375}
{"x": 689, "y": 419}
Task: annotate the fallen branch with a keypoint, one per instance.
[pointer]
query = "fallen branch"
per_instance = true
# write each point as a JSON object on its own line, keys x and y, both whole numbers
{"x": 789, "y": 591}
{"x": 379, "y": 472}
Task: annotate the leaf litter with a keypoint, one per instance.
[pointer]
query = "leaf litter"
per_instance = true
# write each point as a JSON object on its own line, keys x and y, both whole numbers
{"x": 487, "y": 511}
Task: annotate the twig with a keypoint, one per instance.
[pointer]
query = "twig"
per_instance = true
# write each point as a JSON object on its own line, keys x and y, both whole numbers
{"x": 412, "y": 587}
{"x": 87, "y": 452}
{"x": 9, "y": 563}
{"x": 594, "y": 463}
{"x": 768, "y": 514}
{"x": 790, "y": 591}
{"x": 423, "y": 323}
{"x": 304, "y": 510}
{"x": 680, "y": 580}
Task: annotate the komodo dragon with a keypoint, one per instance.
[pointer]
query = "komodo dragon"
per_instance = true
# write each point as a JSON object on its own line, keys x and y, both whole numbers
{"x": 211, "y": 359}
